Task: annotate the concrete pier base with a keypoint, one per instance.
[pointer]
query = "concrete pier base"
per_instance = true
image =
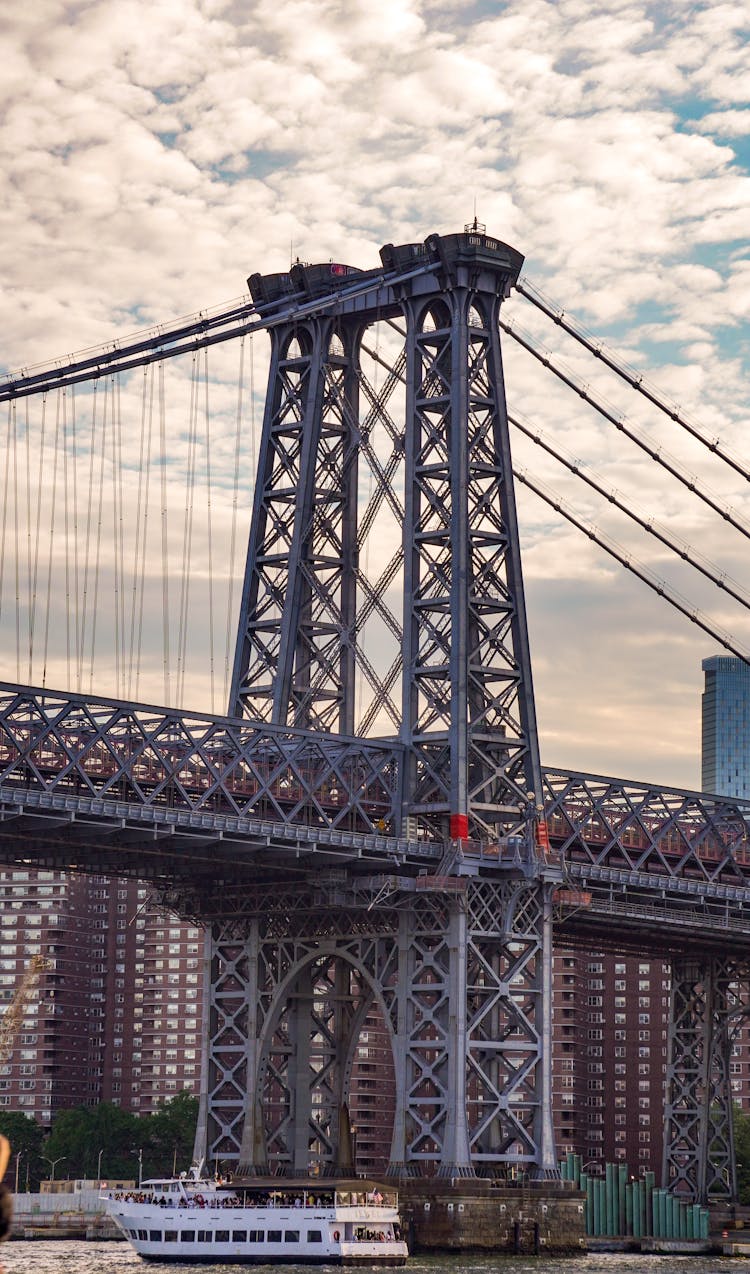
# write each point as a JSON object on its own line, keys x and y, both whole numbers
{"x": 484, "y": 1216}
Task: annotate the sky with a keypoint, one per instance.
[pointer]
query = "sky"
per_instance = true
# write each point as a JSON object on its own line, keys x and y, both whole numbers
{"x": 153, "y": 153}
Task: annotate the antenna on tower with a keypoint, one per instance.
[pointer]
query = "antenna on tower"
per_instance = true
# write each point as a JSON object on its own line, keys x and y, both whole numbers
{"x": 475, "y": 227}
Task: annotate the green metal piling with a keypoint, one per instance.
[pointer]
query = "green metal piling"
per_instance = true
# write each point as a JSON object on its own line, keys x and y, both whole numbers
{"x": 639, "y": 1209}
{"x": 649, "y": 1184}
{"x": 596, "y": 1209}
{"x": 689, "y": 1222}
{"x": 609, "y": 1185}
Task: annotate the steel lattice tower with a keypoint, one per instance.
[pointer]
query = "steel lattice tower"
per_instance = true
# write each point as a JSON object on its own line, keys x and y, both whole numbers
{"x": 459, "y": 963}
{"x": 389, "y": 855}
{"x": 467, "y": 709}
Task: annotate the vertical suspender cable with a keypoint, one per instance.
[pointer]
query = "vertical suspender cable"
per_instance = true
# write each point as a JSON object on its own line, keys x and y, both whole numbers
{"x": 76, "y": 581}
{"x": 144, "y": 539}
{"x": 51, "y": 537}
{"x": 117, "y": 554}
{"x": 70, "y": 491}
{"x": 35, "y": 568}
{"x": 252, "y": 406}
{"x": 87, "y": 547}
{"x": 120, "y": 540}
{"x": 187, "y": 529}
{"x": 164, "y": 531}
{"x": 235, "y": 495}
{"x": 209, "y": 537}
{"x": 66, "y": 529}
{"x": 99, "y": 517}
{"x": 29, "y": 547}
{"x": 16, "y": 545}
{"x": 141, "y": 498}
{"x": 6, "y": 476}
{"x": 116, "y": 599}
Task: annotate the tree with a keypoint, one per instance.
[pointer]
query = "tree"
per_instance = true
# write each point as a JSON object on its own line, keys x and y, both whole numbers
{"x": 79, "y": 1135}
{"x": 155, "y": 1144}
{"x": 170, "y": 1135}
{"x": 26, "y": 1141}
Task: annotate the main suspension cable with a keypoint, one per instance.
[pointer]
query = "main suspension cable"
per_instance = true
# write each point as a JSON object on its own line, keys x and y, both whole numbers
{"x": 188, "y": 336}
{"x": 657, "y": 529}
{"x": 632, "y": 564}
{"x": 662, "y": 457}
{"x": 631, "y": 377}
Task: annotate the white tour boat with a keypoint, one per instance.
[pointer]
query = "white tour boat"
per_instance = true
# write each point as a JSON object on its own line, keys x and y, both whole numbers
{"x": 261, "y": 1221}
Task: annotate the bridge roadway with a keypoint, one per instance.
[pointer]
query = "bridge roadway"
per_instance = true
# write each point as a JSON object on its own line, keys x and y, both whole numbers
{"x": 221, "y": 814}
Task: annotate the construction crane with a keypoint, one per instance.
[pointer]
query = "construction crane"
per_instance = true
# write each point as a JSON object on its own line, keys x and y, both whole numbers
{"x": 13, "y": 1015}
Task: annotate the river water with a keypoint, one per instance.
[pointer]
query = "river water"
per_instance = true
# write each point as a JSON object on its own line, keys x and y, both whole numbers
{"x": 55, "y": 1257}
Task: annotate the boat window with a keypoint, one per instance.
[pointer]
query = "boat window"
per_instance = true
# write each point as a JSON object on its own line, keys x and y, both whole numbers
{"x": 314, "y": 1236}
{"x": 204, "y": 1236}
{"x": 274, "y": 1236}
{"x": 134, "y": 1234}
{"x": 256, "y": 1236}
{"x": 291, "y": 1236}
{"x": 143, "y": 1234}
{"x": 222, "y": 1236}
{"x": 170, "y": 1236}
{"x": 155, "y": 1236}
{"x": 187, "y": 1236}
{"x": 239, "y": 1236}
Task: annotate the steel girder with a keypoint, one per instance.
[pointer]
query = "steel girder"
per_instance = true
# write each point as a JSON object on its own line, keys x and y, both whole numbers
{"x": 468, "y": 713}
{"x": 84, "y": 747}
{"x": 639, "y": 827}
{"x": 467, "y": 720}
{"x": 461, "y": 979}
{"x": 294, "y": 657}
{"x": 698, "y": 1143}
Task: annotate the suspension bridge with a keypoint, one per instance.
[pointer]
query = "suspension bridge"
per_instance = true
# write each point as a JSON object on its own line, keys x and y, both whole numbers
{"x": 369, "y": 825}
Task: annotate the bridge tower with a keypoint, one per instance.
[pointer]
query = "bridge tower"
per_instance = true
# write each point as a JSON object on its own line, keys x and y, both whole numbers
{"x": 458, "y": 961}
{"x": 399, "y": 863}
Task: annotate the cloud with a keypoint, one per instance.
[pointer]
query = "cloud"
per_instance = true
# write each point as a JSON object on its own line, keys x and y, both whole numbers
{"x": 155, "y": 152}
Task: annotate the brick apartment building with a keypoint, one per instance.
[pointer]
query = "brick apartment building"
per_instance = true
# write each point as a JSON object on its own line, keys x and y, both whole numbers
{"x": 610, "y": 1027}
{"x": 117, "y": 1017}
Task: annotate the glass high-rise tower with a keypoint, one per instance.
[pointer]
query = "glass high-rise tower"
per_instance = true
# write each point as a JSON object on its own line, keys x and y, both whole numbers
{"x": 726, "y": 727}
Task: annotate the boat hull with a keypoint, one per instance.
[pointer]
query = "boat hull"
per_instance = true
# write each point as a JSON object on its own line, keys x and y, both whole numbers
{"x": 301, "y": 1259}
{"x": 200, "y": 1228}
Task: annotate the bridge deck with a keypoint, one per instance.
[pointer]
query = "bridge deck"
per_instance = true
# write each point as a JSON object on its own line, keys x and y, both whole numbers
{"x": 199, "y": 803}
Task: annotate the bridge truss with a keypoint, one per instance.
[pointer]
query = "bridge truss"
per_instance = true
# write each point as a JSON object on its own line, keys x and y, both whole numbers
{"x": 421, "y": 872}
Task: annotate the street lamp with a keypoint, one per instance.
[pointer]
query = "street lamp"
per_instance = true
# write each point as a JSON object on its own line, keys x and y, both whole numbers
{"x": 53, "y": 1163}
{"x": 18, "y": 1164}
{"x": 99, "y": 1166}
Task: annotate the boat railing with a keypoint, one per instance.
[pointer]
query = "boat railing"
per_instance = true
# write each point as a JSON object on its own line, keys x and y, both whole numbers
{"x": 274, "y": 1199}
{"x": 366, "y": 1198}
